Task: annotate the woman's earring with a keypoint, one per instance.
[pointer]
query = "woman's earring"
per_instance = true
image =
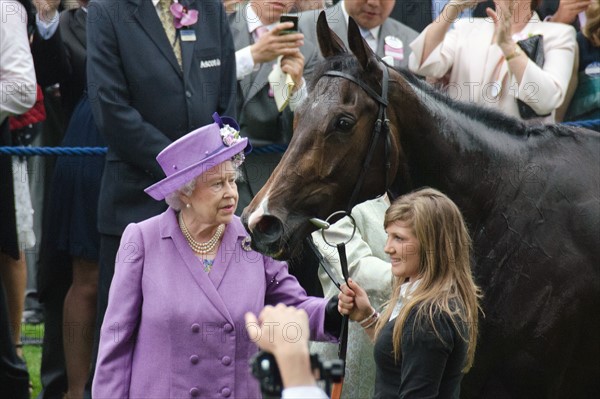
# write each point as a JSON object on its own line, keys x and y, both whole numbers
{"x": 188, "y": 206}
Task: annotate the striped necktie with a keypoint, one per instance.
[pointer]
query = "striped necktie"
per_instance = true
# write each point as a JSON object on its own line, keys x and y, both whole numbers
{"x": 166, "y": 18}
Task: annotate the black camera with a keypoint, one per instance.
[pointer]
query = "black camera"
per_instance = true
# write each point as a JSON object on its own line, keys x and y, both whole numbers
{"x": 264, "y": 368}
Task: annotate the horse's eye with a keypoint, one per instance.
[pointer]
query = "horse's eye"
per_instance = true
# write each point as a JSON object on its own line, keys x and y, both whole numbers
{"x": 344, "y": 124}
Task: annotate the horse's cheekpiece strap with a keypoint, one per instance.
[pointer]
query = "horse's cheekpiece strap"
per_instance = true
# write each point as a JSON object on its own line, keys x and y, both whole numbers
{"x": 382, "y": 121}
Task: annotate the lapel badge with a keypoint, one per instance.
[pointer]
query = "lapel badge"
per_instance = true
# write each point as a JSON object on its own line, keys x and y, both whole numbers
{"x": 394, "y": 48}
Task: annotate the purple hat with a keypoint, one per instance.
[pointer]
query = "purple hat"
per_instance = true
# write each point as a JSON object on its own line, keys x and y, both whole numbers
{"x": 198, "y": 151}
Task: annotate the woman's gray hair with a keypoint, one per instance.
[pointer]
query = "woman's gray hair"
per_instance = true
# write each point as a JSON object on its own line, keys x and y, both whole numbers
{"x": 175, "y": 202}
{"x": 173, "y": 199}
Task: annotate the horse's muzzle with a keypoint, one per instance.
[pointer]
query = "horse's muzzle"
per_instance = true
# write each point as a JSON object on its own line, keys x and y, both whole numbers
{"x": 267, "y": 235}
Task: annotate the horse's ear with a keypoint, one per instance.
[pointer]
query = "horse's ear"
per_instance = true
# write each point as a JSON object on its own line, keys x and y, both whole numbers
{"x": 329, "y": 43}
{"x": 359, "y": 46}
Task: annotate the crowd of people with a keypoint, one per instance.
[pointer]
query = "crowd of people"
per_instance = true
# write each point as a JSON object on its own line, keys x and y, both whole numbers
{"x": 145, "y": 272}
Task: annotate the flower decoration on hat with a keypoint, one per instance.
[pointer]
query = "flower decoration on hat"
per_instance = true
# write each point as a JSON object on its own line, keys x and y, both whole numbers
{"x": 231, "y": 136}
{"x": 183, "y": 16}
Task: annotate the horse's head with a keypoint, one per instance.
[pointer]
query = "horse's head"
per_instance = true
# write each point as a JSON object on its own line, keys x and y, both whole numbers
{"x": 333, "y": 132}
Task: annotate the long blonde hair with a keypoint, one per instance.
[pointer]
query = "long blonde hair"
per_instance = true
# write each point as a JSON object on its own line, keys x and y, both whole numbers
{"x": 446, "y": 284}
{"x": 591, "y": 30}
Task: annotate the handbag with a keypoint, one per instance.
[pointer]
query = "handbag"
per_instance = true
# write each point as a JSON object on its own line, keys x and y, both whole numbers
{"x": 533, "y": 47}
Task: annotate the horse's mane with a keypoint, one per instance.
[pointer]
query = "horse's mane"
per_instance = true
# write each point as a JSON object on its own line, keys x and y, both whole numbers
{"x": 485, "y": 115}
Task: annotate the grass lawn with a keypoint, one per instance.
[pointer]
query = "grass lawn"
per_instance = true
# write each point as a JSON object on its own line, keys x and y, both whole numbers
{"x": 32, "y": 335}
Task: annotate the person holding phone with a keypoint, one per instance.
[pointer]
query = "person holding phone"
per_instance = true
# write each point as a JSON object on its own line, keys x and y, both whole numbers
{"x": 260, "y": 40}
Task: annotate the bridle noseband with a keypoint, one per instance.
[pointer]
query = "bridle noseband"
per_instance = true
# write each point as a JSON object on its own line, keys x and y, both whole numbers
{"x": 382, "y": 128}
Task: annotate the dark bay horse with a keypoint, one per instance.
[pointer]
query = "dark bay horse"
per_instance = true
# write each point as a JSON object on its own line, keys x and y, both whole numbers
{"x": 530, "y": 195}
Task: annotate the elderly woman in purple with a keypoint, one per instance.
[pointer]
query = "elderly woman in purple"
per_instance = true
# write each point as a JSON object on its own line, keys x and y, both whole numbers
{"x": 174, "y": 326}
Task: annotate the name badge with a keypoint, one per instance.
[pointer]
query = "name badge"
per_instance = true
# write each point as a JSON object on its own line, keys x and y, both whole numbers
{"x": 188, "y": 35}
{"x": 393, "y": 47}
{"x": 593, "y": 69}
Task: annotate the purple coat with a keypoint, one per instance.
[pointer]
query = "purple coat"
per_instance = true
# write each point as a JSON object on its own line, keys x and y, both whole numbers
{"x": 173, "y": 331}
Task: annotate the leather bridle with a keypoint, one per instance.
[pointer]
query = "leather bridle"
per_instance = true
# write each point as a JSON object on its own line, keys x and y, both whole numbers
{"x": 381, "y": 129}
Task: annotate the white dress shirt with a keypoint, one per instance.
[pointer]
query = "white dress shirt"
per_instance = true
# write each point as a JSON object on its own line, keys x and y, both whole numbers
{"x": 370, "y": 35}
{"x": 17, "y": 75}
{"x": 244, "y": 62}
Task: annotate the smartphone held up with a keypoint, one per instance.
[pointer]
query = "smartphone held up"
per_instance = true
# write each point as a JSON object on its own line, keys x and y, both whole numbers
{"x": 289, "y": 18}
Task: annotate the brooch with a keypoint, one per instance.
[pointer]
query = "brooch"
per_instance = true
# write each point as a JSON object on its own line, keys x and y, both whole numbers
{"x": 246, "y": 244}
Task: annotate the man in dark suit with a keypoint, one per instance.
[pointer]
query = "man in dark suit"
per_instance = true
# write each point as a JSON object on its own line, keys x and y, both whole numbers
{"x": 149, "y": 84}
{"x": 381, "y": 32}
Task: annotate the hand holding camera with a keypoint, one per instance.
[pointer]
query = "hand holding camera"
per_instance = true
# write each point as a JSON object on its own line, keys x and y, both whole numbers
{"x": 283, "y": 331}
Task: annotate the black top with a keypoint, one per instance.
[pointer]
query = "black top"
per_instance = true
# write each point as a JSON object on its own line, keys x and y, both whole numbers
{"x": 428, "y": 367}
{"x": 587, "y": 52}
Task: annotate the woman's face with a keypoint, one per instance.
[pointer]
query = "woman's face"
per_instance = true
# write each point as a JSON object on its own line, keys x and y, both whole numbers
{"x": 215, "y": 196}
{"x": 403, "y": 248}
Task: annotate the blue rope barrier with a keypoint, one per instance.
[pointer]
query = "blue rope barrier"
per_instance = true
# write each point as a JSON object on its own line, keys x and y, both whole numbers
{"x": 270, "y": 149}
{"x": 45, "y": 151}
{"x": 100, "y": 151}
{"x": 593, "y": 124}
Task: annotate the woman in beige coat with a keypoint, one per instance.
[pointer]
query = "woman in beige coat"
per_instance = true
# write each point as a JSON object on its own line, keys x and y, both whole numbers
{"x": 486, "y": 66}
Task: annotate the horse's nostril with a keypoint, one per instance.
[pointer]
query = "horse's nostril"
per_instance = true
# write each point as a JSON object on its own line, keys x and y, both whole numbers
{"x": 270, "y": 228}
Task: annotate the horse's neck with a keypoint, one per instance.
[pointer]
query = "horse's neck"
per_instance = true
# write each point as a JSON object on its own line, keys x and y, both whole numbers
{"x": 457, "y": 152}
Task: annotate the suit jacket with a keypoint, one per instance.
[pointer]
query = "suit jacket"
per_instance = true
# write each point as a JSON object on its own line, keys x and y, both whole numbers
{"x": 142, "y": 100}
{"x": 61, "y": 58}
{"x": 413, "y": 13}
{"x": 171, "y": 330}
{"x": 335, "y": 17}
{"x": 466, "y": 52}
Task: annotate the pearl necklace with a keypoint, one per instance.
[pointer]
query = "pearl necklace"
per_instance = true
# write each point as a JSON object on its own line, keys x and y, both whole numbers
{"x": 201, "y": 248}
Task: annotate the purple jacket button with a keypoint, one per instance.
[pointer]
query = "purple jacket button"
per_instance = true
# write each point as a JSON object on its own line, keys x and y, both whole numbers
{"x": 226, "y": 360}
{"x": 228, "y": 328}
{"x": 194, "y": 359}
{"x": 226, "y": 392}
{"x": 194, "y": 392}
{"x": 195, "y": 328}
